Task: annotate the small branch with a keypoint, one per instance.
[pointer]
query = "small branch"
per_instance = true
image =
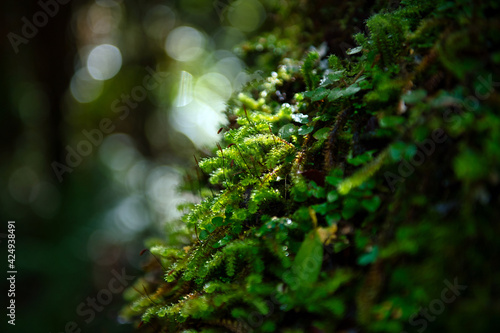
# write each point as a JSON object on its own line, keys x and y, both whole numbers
{"x": 358, "y": 76}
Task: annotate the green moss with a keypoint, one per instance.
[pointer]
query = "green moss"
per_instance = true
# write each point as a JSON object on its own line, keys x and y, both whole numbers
{"x": 345, "y": 204}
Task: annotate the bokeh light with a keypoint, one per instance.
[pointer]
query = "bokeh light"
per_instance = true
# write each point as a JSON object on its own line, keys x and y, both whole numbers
{"x": 213, "y": 89}
{"x": 84, "y": 87}
{"x": 185, "y": 94}
{"x": 117, "y": 151}
{"x": 104, "y": 62}
{"x": 246, "y": 15}
{"x": 161, "y": 190}
{"x": 159, "y": 20}
{"x": 128, "y": 186}
{"x": 103, "y": 20}
{"x": 229, "y": 65}
{"x": 131, "y": 215}
{"x": 185, "y": 43}
{"x": 198, "y": 121}
{"x": 227, "y": 37}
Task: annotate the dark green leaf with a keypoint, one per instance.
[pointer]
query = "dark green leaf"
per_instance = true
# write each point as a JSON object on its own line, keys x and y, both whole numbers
{"x": 371, "y": 204}
{"x": 361, "y": 159}
{"x": 210, "y": 227}
{"x": 319, "y": 94}
{"x": 333, "y": 180}
{"x": 218, "y": 221}
{"x": 309, "y": 94}
{"x": 222, "y": 241}
{"x": 351, "y": 90}
{"x": 203, "y": 235}
{"x": 321, "y": 208}
{"x": 391, "y": 121}
{"x": 331, "y": 78}
{"x": 286, "y": 131}
{"x": 400, "y": 150}
{"x": 333, "y": 218}
{"x": 332, "y": 196}
{"x": 307, "y": 263}
{"x": 322, "y": 134}
{"x": 337, "y": 247}
{"x": 351, "y": 206}
{"x": 368, "y": 258}
{"x": 334, "y": 94}
{"x": 305, "y": 130}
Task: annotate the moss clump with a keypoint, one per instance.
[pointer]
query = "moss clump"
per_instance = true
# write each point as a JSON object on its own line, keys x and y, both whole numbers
{"x": 351, "y": 189}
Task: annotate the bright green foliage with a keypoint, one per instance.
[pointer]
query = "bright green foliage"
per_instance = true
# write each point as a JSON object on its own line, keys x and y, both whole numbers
{"x": 349, "y": 187}
{"x": 387, "y": 33}
{"x": 308, "y": 70}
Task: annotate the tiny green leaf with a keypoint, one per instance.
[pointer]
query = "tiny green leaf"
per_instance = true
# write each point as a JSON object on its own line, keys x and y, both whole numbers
{"x": 332, "y": 180}
{"x": 369, "y": 257}
{"x": 333, "y": 218}
{"x": 305, "y": 130}
{"x": 337, "y": 247}
{"x": 222, "y": 241}
{"x": 317, "y": 94}
{"x": 391, "y": 121}
{"x": 203, "y": 235}
{"x": 322, "y": 134}
{"x": 354, "y": 50}
{"x": 218, "y": 221}
{"x": 351, "y": 206}
{"x": 400, "y": 150}
{"x": 331, "y": 78}
{"x": 286, "y": 131}
{"x": 351, "y": 90}
{"x": 210, "y": 227}
{"x": 371, "y": 204}
{"x": 332, "y": 196}
{"x": 335, "y": 94}
{"x": 361, "y": 159}
{"x": 321, "y": 208}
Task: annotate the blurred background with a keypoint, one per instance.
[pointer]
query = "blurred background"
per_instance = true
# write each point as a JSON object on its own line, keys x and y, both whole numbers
{"x": 104, "y": 104}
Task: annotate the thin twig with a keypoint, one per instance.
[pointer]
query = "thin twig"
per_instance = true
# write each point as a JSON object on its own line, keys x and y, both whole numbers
{"x": 244, "y": 161}
{"x": 223, "y": 166}
{"x": 199, "y": 178}
{"x": 358, "y": 76}
{"x": 248, "y": 118}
